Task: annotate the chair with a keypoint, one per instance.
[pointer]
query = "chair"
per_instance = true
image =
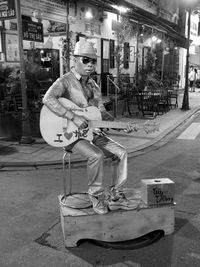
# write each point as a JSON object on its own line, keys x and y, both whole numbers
{"x": 17, "y": 100}
{"x": 173, "y": 98}
{"x": 148, "y": 103}
{"x": 163, "y": 104}
{"x": 131, "y": 103}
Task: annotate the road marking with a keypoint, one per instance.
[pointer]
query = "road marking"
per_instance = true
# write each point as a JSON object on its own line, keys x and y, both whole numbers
{"x": 191, "y": 132}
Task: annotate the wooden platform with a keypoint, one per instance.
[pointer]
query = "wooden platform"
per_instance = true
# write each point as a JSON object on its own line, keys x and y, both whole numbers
{"x": 114, "y": 226}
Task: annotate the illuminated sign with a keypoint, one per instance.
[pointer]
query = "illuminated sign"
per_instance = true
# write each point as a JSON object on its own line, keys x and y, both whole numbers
{"x": 7, "y": 9}
{"x": 32, "y": 31}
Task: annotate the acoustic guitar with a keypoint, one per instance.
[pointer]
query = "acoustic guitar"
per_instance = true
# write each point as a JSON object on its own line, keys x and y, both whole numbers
{"x": 60, "y": 132}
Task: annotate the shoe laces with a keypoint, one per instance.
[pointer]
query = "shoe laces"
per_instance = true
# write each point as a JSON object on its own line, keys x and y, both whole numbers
{"x": 116, "y": 195}
{"x": 99, "y": 199}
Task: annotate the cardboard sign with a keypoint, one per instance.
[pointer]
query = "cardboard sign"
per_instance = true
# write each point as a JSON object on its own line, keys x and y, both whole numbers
{"x": 7, "y": 9}
{"x": 157, "y": 191}
{"x": 32, "y": 31}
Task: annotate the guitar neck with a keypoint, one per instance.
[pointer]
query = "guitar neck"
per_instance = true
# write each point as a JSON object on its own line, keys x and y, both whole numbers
{"x": 108, "y": 124}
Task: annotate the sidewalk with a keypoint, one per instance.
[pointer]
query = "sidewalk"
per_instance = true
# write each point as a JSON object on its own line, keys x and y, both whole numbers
{"x": 13, "y": 154}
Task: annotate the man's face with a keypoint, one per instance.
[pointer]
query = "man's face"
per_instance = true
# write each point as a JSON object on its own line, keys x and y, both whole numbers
{"x": 84, "y": 65}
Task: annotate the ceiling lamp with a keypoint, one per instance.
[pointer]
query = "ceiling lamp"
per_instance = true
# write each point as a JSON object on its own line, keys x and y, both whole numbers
{"x": 154, "y": 38}
{"x": 88, "y": 14}
{"x": 121, "y": 9}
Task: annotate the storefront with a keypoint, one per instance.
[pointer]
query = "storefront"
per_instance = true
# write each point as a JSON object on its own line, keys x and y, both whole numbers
{"x": 41, "y": 59}
{"x": 45, "y": 59}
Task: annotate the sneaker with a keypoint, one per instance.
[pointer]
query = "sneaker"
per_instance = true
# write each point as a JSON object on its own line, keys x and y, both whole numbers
{"x": 119, "y": 201}
{"x": 99, "y": 204}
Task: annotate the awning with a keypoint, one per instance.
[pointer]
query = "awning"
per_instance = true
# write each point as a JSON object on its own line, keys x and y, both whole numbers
{"x": 144, "y": 17}
{"x": 169, "y": 27}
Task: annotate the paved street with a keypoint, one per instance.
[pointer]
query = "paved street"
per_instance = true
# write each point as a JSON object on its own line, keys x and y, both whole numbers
{"x": 30, "y": 228}
{"x": 144, "y": 57}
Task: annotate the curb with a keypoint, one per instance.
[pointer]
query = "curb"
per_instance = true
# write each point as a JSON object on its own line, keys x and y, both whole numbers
{"x": 166, "y": 132}
{"x": 80, "y": 162}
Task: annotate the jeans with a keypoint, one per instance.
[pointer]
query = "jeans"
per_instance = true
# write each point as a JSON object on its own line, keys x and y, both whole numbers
{"x": 94, "y": 152}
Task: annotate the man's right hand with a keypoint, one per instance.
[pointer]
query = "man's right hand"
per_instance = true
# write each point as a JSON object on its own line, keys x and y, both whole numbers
{"x": 80, "y": 122}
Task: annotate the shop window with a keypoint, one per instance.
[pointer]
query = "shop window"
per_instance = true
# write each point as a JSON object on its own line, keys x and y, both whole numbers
{"x": 126, "y": 55}
{"x": 41, "y": 70}
{"x": 112, "y": 53}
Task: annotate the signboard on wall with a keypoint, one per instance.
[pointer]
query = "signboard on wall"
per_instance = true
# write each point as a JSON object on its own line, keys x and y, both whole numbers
{"x": 12, "y": 47}
{"x": 53, "y": 26}
{"x": 32, "y": 31}
{"x": 51, "y": 10}
{"x": 116, "y": 25}
{"x": 7, "y": 9}
{"x": 194, "y": 26}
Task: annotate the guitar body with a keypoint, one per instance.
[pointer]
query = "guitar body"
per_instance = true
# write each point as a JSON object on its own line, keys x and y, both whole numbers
{"x": 61, "y": 132}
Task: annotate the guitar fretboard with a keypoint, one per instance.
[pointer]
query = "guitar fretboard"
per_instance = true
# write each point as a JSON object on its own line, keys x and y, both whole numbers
{"x": 109, "y": 124}
{"x": 148, "y": 127}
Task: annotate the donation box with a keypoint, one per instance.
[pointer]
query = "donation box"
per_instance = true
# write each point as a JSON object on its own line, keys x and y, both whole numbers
{"x": 157, "y": 191}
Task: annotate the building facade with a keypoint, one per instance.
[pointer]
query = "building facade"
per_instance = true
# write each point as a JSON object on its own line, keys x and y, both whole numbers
{"x": 131, "y": 29}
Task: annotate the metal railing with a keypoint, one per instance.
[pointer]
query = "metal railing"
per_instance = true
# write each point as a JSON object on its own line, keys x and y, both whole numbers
{"x": 117, "y": 90}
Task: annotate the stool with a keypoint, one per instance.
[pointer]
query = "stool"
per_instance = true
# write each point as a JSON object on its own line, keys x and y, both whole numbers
{"x": 66, "y": 153}
{"x": 72, "y": 200}
{"x": 78, "y": 200}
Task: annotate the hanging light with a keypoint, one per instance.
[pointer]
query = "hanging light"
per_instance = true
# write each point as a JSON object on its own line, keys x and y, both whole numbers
{"x": 154, "y": 38}
{"x": 88, "y": 14}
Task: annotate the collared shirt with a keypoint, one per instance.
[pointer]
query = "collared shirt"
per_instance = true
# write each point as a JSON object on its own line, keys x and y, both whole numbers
{"x": 192, "y": 75}
{"x": 82, "y": 93}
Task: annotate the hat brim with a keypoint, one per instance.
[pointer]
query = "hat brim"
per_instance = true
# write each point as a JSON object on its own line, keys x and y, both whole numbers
{"x": 86, "y": 55}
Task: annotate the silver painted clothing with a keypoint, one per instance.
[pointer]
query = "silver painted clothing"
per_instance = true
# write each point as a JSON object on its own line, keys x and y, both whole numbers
{"x": 94, "y": 152}
{"x": 83, "y": 95}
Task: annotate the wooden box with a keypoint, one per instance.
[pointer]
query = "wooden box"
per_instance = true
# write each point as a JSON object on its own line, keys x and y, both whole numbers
{"x": 119, "y": 225}
{"x": 157, "y": 191}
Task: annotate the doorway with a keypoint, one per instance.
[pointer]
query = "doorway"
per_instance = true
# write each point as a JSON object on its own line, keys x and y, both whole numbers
{"x": 104, "y": 64}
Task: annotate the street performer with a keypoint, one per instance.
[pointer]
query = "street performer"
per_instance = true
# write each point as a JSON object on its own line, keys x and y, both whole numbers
{"x": 82, "y": 90}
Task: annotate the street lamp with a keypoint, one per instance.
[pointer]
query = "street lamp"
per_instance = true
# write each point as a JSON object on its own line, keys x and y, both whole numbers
{"x": 185, "y": 104}
{"x": 26, "y": 130}
{"x": 67, "y": 37}
{"x": 190, "y": 4}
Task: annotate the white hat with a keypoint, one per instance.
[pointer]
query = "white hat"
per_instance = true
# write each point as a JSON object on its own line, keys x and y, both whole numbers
{"x": 84, "y": 48}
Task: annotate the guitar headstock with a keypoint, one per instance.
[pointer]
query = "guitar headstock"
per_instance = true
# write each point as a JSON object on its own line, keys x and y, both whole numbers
{"x": 134, "y": 126}
{"x": 148, "y": 126}
{"x": 151, "y": 126}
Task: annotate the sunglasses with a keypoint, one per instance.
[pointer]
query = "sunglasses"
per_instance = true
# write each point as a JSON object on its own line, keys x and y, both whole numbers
{"x": 86, "y": 60}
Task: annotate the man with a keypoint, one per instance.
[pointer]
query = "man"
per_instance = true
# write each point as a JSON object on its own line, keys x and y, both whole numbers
{"x": 81, "y": 89}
